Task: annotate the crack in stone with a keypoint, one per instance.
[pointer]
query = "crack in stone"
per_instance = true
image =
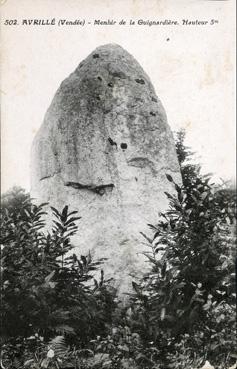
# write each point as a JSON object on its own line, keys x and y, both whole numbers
{"x": 49, "y": 176}
{"x": 100, "y": 189}
{"x": 112, "y": 142}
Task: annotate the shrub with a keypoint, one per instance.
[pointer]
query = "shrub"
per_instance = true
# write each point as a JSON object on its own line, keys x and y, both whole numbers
{"x": 188, "y": 296}
{"x": 46, "y": 288}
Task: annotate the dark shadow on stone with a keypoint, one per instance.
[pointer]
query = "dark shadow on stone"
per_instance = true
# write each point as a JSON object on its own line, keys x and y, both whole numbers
{"x": 140, "y": 80}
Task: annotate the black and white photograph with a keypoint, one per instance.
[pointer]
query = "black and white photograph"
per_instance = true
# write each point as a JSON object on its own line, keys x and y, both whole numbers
{"x": 118, "y": 184}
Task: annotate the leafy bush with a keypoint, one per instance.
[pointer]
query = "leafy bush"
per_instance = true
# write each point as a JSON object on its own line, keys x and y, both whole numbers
{"x": 46, "y": 288}
{"x": 188, "y": 297}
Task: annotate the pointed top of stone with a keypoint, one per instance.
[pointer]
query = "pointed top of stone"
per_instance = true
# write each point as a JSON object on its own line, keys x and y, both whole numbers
{"x": 111, "y": 57}
{"x": 110, "y": 48}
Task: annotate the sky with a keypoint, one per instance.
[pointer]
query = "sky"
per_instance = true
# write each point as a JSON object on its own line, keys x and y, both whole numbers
{"x": 192, "y": 68}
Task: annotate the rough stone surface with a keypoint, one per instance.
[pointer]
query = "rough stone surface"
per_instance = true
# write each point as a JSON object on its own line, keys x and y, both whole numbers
{"x": 104, "y": 149}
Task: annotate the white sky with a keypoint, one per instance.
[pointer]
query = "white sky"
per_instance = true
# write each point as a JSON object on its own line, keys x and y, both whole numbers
{"x": 193, "y": 72}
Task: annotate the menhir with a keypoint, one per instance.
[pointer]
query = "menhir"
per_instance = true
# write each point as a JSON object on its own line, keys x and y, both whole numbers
{"x": 104, "y": 149}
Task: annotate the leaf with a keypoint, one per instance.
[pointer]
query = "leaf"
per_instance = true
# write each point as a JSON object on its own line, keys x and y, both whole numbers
{"x": 58, "y": 345}
{"x": 162, "y": 314}
{"x": 163, "y": 269}
{"x": 49, "y": 277}
{"x": 65, "y": 329}
{"x": 169, "y": 196}
{"x": 64, "y": 213}
{"x": 156, "y": 235}
{"x": 146, "y": 237}
{"x": 89, "y": 258}
{"x": 56, "y": 212}
{"x": 84, "y": 260}
{"x": 170, "y": 179}
{"x": 107, "y": 364}
{"x": 45, "y": 363}
{"x": 150, "y": 257}
{"x": 180, "y": 196}
{"x": 177, "y": 187}
{"x": 96, "y": 283}
{"x": 28, "y": 362}
{"x": 72, "y": 213}
{"x": 50, "y": 354}
{"x": 59, "y": 225}
{"x": 101, "y": 277}
{"x": 52, "y": 284}
{"x": 177, "y": 206}
{"x": 152, "y": 226}
{"x": 43, "y": 204}
{"x": 71, "y": 220}
{"x": 204, "y": 195}
{"x": 136, "y": 287}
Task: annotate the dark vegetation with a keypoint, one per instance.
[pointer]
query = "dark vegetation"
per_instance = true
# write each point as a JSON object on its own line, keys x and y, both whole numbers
{"x": 55, "y": 314}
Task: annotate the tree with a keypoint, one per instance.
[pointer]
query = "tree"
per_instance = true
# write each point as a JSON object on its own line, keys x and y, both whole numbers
{"x": 14, "y": 199}
{"x": 189, "y": 170}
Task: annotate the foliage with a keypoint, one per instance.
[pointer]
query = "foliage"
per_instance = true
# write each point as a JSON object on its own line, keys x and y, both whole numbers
{"x": 189, "y": 170}
{"x": 189, "y": 291}
{"x": 46, "y": 289}
{"x": 14, "y": 199}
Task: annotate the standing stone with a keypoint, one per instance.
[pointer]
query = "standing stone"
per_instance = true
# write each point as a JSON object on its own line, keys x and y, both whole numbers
{"x": 104, "y": 149}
